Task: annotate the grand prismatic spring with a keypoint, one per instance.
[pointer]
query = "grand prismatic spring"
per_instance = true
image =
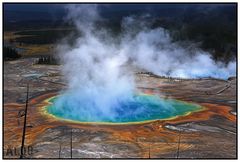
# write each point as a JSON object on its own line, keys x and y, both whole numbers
{"x": 144, "y": 81}
{"x": 140, "y": 108}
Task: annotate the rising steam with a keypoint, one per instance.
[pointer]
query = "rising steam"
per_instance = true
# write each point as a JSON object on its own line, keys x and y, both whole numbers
{"x": 95, "y": 66}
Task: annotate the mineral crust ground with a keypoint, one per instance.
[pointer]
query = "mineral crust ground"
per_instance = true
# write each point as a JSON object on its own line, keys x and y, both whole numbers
{"x": 210, "y": 133}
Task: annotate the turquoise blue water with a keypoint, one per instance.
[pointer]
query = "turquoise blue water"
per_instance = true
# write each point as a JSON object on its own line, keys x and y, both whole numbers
{"x": 139, "y": 109}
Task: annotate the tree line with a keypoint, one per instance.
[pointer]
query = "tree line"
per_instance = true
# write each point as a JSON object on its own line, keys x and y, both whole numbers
{"x": 10, "y": 53}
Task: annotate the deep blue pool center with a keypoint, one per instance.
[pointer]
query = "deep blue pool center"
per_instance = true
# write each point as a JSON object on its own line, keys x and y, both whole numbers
{"x": 141, "y": 108}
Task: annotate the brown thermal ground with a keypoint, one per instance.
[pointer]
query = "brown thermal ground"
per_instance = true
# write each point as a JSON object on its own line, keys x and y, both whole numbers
{"x": 210, "y": 133}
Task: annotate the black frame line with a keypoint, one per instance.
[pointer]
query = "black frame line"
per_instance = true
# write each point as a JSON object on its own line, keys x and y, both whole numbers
{"x": 138, "y": 3}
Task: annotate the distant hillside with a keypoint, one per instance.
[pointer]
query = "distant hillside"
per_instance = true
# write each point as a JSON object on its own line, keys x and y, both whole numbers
{"x": 212, "y": 26}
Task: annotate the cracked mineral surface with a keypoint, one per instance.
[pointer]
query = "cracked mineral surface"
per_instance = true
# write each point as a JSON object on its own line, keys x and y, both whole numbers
{"x": 207, "y": 134}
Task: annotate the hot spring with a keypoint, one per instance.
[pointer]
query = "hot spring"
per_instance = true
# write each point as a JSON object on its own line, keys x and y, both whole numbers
{"x": 140, "y": 108}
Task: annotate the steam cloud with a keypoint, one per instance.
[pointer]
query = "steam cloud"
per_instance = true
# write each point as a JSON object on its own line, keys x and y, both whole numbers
{"x": 95, "y": 66}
